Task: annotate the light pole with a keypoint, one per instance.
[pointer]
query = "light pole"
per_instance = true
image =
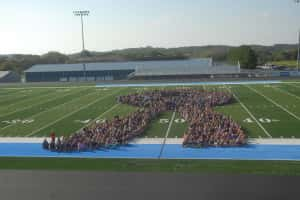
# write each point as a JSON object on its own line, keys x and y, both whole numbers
{"x": 298, "y": 55}
{"x": 81, "y": 14}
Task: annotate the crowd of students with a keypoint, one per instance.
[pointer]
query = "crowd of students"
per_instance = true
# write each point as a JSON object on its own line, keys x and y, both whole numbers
{"x": 206, "y": 127}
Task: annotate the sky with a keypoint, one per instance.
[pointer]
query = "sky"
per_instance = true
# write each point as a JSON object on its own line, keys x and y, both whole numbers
{"x": 36, "y": 27}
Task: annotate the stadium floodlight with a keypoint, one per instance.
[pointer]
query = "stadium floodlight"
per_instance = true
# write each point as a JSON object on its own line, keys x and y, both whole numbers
{"x": 81, "y": 14}
{"x": 298, "y": 55}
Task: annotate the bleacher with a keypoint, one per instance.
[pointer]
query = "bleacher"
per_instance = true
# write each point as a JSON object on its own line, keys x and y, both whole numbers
{"x": 9, "y": 77}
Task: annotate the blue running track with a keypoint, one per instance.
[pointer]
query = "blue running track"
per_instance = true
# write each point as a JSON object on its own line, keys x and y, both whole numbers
{"x": 151, "y": 151}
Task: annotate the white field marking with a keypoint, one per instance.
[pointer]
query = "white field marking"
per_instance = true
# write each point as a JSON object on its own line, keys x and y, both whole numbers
{"x": 50, "y": 87}
{"x": 107, "y": 111}
{"x": 156, "y": 141}
{"x": 296, "y": 86}
{"x": 179, "y": 121}
{"x": 275, "y": 141}
{"x": 164, "y": 121}
{"x": 48, "y": 100}
{"x": 33, "y": 98}
{"x": 167, "y": 134}
{"x": 278, "y": 105}
{"x": 52, "y": 108}
{"x": 82, "y": 121}
{"x": 251, "y": 115}
{"x": 263, "y": 141}
{"x": 289, "y": 82}
{"x": 286, "y": 92}
{"x": 170, "y": 125}
{"x": 71, "y": 113}
{"x": 16, "y": 121}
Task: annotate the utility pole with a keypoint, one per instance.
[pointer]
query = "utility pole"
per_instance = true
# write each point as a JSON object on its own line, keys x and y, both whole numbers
{"x": 81, "y": 14}
{"x": 298, "y": 56}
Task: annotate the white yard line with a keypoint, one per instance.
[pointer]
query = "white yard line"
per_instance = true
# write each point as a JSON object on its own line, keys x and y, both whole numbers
{"x": 30, "y": 99}
{"x": 48, "y": 100}
{"x": 69, "y": 114}
{"x": 170, "y": 125}
{"x": 167, "y": 134}
{"x": 272, "y": 101}
{"x": 49, "y": 87}
{"x": 296, "y": 86}
{"x": 249, "y": 113}
{"x": 285, "y": 92}
{"x": 52, "y": 108}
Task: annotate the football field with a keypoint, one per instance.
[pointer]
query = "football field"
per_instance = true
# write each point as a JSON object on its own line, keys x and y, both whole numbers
{"x": 263, "y": 110}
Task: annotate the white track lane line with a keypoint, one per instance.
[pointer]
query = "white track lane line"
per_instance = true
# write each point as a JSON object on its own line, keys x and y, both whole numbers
{"x": 249, "y": 112}
{"x": 71, "y": 113}
{"x": 285, "y": 92}
{"x": 278, "y": 105}
{"x": 167, "y": 134}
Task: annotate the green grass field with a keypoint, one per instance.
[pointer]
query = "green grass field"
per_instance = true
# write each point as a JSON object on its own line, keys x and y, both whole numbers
{"x": 286, "y": 63}
{"x": 290, "y": 168}
{"x": 262, "y": 110}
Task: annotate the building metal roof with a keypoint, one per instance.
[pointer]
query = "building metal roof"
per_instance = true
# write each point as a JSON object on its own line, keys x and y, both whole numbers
{"x": 102, "y": 66}
{"x": 166, "y": 67}
{"x": 79, "y": 67}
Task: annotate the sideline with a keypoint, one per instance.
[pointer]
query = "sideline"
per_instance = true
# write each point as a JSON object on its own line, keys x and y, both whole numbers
{"x": 263, "y": 141}
{"x": 188, "y": 84}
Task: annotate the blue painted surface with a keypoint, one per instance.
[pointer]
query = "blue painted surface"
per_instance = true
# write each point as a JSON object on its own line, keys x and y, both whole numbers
{"x": 250, "y": 152}
{"x": 187, "y": 84}
{"x": 150, "y": 151}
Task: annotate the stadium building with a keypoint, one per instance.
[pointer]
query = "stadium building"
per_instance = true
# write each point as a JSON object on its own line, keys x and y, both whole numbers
{"x": 77, "y": 72}
{"x": 108, "y": 71}
{"x": 9, "y": 77}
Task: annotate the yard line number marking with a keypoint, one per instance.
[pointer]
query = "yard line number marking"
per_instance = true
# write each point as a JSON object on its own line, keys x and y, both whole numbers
{"x": 251, "y": 115}
{"x": 71, "y": 113}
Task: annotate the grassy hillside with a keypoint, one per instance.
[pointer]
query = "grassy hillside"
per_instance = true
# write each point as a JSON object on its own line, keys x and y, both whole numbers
{"x": 19, "y": 63}
{"x": 286, "y": 63}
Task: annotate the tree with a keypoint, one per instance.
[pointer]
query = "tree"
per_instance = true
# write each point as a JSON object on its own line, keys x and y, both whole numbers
{"x": 243, "y": 54}
{"x": 54, "y": 58}
{"x": 284, "y": 55}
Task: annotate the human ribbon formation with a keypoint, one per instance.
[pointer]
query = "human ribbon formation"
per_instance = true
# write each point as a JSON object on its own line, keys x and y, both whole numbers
{"x": 205, "y": 126}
